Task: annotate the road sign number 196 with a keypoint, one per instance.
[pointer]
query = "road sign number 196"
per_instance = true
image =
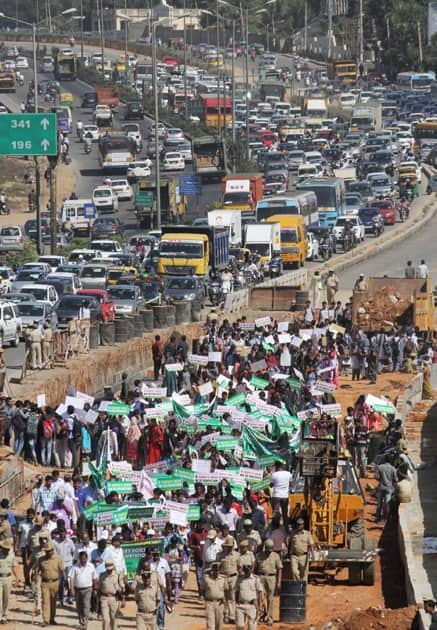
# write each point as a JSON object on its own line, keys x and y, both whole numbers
{"x": 21, "y": 144}
{"x": 20, "y": 123}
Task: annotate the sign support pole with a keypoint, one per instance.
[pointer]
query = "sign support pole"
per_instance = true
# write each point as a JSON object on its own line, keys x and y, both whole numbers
{"x": 53, "y": 216}
{"x": 37, "y": 204}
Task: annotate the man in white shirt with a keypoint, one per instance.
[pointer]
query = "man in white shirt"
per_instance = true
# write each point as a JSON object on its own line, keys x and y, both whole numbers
{"x": 280, "y": 482}
{"x": 83, "y": 581}
{"x": 212, "y": 548}
{"x": 422, "y": 270}
{"x": 24, "y": 541}
{"x": 86, "y": 545}
{"x": 114, "y": 552}
{"x": 162, "y": 568}
{"x": 228, "y": 515}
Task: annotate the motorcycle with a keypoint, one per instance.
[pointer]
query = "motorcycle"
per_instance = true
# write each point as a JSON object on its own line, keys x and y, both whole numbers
{"x": 87, "y": 148}
{"x": 4, "y": 208}
{"x": 378, "y": 227}
{"x": 403, "y": 213}
{"x": 275, "y": 267}
{"x": 324, "y": 249}
{"x": 215, "y": 292}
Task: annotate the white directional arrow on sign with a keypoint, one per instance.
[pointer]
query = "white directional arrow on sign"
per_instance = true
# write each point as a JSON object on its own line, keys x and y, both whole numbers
{"x": 45, "y": 144}
{"x": 44, "y": 123}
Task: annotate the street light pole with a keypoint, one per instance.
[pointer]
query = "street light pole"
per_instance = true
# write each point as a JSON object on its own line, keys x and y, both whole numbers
{"x": 185, "y": 65}
{"x": 246, "y": 64}
{"x": 234, "y": 140}
{"x": 81, "y": 31}
{"x": 156, "y": 119}
{"x": 102, "y": 41}
{"x": 126, "y": 26}
{"x": 218, "y": 73}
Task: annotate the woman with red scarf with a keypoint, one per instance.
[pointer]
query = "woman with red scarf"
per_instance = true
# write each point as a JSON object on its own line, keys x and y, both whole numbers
{"x": 156, "y": 439}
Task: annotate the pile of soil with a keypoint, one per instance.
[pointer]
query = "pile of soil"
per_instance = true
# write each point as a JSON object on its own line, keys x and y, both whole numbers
{"x": 375, "y": 618}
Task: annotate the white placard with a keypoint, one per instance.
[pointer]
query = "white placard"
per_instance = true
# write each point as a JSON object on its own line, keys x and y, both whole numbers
{"x": 61, "y": 409}
{"x": 201, "y": 465}
{"x": 88, "y": 399}
{"x": 284, "y": 338}
{"x": 41, "y": 401}
{"x": 296, "y": 342}
{"x": 153, "y": 392}
{"x": 298, "y": 373}
{"x": 282, "y": 327}
{"x": 177, "y": 513}
{"x": 77, "y": 403}
{"x": 181, "y": 399}
{"x": 215, "y": 357}
{"x": 206, "y": 388}
{"x": 251, "y": 473}
{"x": 263, "y": 321}
{"x": 174, "y": 367}
{"x": 91, "y": 416}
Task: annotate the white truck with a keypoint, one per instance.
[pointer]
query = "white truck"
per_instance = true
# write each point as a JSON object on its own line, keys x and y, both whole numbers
{"x": 316, "y": 107}
{"x": 230, "y": 219}
{"x": 78, "y": 215}
{"x": 263, "y": 239}
{"x": 367, "y": 117}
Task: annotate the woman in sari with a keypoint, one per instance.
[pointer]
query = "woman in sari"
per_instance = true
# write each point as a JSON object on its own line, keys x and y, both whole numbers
{"x": 133, "y": 435}
{"x": 156, "y": 439}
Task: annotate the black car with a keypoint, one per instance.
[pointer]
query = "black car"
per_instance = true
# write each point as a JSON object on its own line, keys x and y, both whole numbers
{"x": 133, "y": 111}
{"x": 182, "y": 289}
{"x": 326, "y": 239}
{"x": 69, "y": 306}
{"x": 384, "y": 159}
{"x": 30, "y": 228}
{"x": 89, "y": 99}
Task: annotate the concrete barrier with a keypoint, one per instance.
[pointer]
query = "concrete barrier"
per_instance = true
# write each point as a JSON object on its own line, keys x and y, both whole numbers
{"x": 237, "y": 300}
{"x": 296, "y": 278}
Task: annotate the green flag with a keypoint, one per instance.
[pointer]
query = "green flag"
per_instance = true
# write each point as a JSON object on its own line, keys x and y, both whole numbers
{"x": 180, "y": 411}
{"x": 98, "y": 474}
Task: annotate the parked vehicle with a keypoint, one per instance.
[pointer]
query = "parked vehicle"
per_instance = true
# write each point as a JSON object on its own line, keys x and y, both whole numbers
{"x": 10, "y": 324}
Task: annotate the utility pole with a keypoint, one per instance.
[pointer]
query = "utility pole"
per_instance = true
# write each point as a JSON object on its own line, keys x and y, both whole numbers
{"x": 102, "y": 37}
{"x": 234, "y": 140}
{"x": 219, "y": 131}
{"x": 361, "y": 33}
{"x": 185, "y": 64}
{"x": 126, "y": 37}
{"x": 305, "y": 32}
{"x": 156, "y": 121}
{"x": 387, "y": 24}
{"x": 419, "y": 37}
{"x": 35, "y": 159}
{"x": 330, "y": 28}
{"x": 246, "y": 65}
{"x": 81, "y": 31}
{"x": 52, "y": 204}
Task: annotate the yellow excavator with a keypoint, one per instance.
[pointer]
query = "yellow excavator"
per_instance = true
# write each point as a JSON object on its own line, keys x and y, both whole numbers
{"x": 326, "y": 492}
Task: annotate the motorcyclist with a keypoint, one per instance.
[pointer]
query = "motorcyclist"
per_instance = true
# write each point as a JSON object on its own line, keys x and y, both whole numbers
{"x": 23, "y": 107}
{"x": 227, "y": 279}
{"x": 73, "y": 195}
{"x": 2, "y": 201}
{"x": 79, "y": 129}
{"x": 88, "y": 141}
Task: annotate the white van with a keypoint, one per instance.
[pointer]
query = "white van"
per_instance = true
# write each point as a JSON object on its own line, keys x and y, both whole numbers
{"x": 70, "y": 280}
{"x": 80, "y": 214}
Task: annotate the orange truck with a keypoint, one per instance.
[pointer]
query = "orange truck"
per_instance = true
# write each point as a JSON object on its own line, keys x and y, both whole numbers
{"x": 242, "y": 192}
{"x": 108, "y": 96}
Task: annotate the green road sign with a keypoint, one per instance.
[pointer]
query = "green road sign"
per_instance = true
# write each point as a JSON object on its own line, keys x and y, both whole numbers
{"x": 28, "y": 134}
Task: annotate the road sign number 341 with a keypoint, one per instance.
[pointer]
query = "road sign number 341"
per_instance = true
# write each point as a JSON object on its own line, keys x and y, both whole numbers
{"x": 20, "y": 124}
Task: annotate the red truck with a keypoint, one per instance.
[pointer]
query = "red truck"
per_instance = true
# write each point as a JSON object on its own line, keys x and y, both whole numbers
{"x": 108, "y": 96}
{"x": 103, "y": 298}
{"x": 242, "y": 192}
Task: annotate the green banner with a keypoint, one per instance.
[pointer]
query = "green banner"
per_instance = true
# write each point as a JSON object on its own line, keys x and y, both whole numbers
{"x": 294, "y": 383}
{"x": 259, "y": 383}
{"x": 115, "y": 409}
{"x": 140, "y": 512}
{"x": 133, "y": 552}
{"x": 227, "y": 443}
{"x": 267, "y": 460}
{"x": 260, "y": 485}
{"x": 167, "y": 482}
{"x": 384, "y": 408}
{"x": 193, "y": 513}
{"x": 215, "y": 423}
{"x": 120, "y": 516}
{"x": 185, "y": 474}
{"x": 235, "y": 401}
{"x": 122, "y": 487}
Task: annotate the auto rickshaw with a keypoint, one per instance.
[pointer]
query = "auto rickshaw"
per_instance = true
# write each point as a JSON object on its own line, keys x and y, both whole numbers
{"x": 66, "y": 99}
{"x": 408, "y": 186}
{"x": 115, "y": 273}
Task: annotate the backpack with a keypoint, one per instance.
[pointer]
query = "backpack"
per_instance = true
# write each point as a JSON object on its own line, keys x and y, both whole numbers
{"x": 18, "y": 422}
{"x": 61, "y": 430}
{"x": 77, "y": 430}
{"x": 409, "y": 346}
{"x": 47, "y": 429}
{"x": 32, "y": 426}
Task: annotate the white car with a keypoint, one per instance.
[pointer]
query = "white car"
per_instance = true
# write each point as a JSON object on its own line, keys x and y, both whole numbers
{"x": 174, "y": 133}
{"x": 21, "y": 63}
{"x": 106, "y": 247}
{"x": 122, "y": 189}
{"x": 43, "y": 293}
{"x": 3, "y": 110}
{"x": 162, "y": 130}
{"x": 405, "y": 139}
{"x": 313, "y": 246}
{"x": 137, "y": 170}
{"x": 132, "y": 130}
{"x": 356, "y": 225}
{"x": 10, "y": 324}
{"x": 68, "y": 52}
{"x": 8, "y": 65}
{"x": 93, "y": 130}
{"x": 173, "y": 162}
{"x": 105, "y": 199}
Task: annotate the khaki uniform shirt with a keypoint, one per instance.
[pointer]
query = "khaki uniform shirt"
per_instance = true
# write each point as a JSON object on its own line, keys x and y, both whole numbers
{"x": 300, "y": 542}
{"x": 214, "y": 589}
{"x": 268, "y": 563}
{"x": 47, "y": 335}
{"x": 35, "y": 336}
{"x": 147, "y": 597}
{"x": 228, "y": 562}
{"x": 36, "y": 536}
{"x": 246, "y": 558}
{"x": 253, "y": 538}
{"x": 6, "y": 565}
{"x": 110, "y": 583}
{"x": 5, "y": 530}
{"x": 50, "y": 567}
{"x": 248, "y": 589}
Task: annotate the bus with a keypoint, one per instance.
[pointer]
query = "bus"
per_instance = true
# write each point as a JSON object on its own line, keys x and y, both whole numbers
{"x": 208, "y": 159}
{"x": 419, "y": 82}
{"x": 343, "y": 70}
{"x": 303, "y": 203}
{"x": 116, "y": 151}
{"x": 210, "y": 108}
{"x": 8, "y": 82}
{"x": 65, "y": 67}
{"x": 271, "y": 88}
{"x": 330, "y": 197}
{"x": 425, "y": 133}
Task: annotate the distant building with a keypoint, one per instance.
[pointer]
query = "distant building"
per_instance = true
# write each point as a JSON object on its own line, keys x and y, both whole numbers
{"x": 113, "y": 19}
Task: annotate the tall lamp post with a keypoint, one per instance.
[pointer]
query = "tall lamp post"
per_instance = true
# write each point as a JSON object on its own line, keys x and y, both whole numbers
{"x": 156, "y": 121}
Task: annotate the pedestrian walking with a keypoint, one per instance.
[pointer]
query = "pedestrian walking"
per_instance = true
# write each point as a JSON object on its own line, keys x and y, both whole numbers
{"x": 147, "y": 597}
{"x": 269, "y": 569}
{"x": 111, "y": 590}
{"x": 8, "y": 567}
{"x": 301, "y": 543}
{"x": 83, "y": 581}
{"x": 49, "y": 568}
{"x": 249, "y": 599}
{"x": 213, "y": 588}
{"x": 228, "y": 559}
{"x": 387, "y": 479}
{"x": 410, "y": 272}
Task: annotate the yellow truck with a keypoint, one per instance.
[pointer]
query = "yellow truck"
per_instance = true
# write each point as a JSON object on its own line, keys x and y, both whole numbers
{"x": 294, "y": 242}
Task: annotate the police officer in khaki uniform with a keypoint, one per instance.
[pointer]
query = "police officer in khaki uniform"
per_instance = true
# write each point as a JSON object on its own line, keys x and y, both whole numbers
{"x": 35, "y": 339}
{"x": 251, "y": 535}
{"x": 49, "y": 567}
{"x": 301, "y": 542}
{"x": 213, "y": 588}
{"x": 228, "y": 559}
{"x": 47, "y": 339}
{"x": 111, "y": 589}
{"x": 249, "y": 599}
{"x": 269, "y": 569}
{"x": 38, "y": 537}
{"x": 5, "y": 528}
{"x": 246, "y": 556}
{"x": 147, "y": 596}
{"x": 8, "y": 566}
